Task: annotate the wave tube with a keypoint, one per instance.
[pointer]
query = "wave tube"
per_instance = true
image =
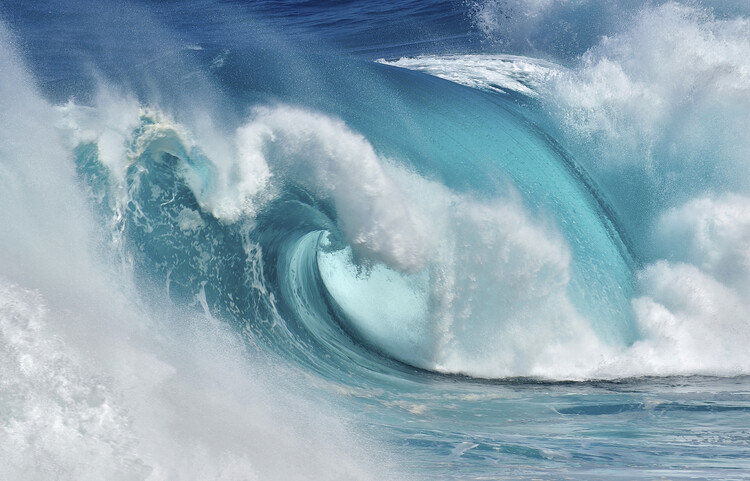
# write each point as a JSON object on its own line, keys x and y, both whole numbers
{"x": 503, "y": 241}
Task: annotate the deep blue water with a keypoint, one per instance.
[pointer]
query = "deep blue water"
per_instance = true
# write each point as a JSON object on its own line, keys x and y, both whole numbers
{"x": 499, "y": 239}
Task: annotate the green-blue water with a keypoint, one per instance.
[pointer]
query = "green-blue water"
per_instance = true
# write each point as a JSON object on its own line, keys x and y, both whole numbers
{"x": 374, "y": 240}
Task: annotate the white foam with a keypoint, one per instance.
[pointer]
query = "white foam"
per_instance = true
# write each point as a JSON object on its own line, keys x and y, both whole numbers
{"x": 93, "y": 385}
{"x": 57, "y": 417}
{"x": 500, "y": 298}
{"x": 189, "y": 220}
{"x": 667, "y": 101}
{"x": 492, "y": 301}
{"x": 711, "y": 233}
{"x": 498, "y": 73}
{"x": 693, "y": 324}
{"x": 669, "y": 96}
{"x": 107, "y": 402}
{"x": 323, "y": 155}
{"x": 498, "y": 278}
{"x": 693, "y": 310}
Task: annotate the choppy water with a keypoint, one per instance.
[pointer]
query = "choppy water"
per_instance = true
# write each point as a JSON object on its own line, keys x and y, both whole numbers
{"x": 374, "y": 240}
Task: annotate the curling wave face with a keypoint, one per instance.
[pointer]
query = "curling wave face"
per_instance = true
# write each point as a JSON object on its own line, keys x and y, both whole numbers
{"x": 467, "y": 242}
{"x": 493, "y": 271}
{"x": 234, "y": 232}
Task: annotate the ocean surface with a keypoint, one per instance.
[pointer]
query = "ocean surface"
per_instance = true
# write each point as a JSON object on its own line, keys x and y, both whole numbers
{"x": 374, "y": 240}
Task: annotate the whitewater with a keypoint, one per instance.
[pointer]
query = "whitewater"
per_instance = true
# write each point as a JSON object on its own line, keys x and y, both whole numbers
{"x": 368, "y": 240}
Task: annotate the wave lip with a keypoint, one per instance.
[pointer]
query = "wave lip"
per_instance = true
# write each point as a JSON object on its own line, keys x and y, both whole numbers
{"x": 491, "y": 72}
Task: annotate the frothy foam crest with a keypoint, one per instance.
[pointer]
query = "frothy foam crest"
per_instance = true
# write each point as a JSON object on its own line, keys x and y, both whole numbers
{"x": 648, "y": 91}
{"x": 277, "y": 145}
{"x": 324, "y": 156}
{"x": 123, "y": 130}
{"x": 500, "y": 298}
{"x": 109, "y": 124}
{"x": 498, "y": 73}
{"x": 667, "y": 102}
{"x": 492, "y": 302}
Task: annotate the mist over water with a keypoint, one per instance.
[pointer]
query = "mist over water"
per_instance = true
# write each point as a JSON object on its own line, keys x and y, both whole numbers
{"x": 671, "y": 157}
{"x": 97, "y": 382}
{"x": 442, "y": 240}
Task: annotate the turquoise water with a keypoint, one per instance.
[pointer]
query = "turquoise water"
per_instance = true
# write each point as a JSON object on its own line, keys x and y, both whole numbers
{"x": 374, "y": 240}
